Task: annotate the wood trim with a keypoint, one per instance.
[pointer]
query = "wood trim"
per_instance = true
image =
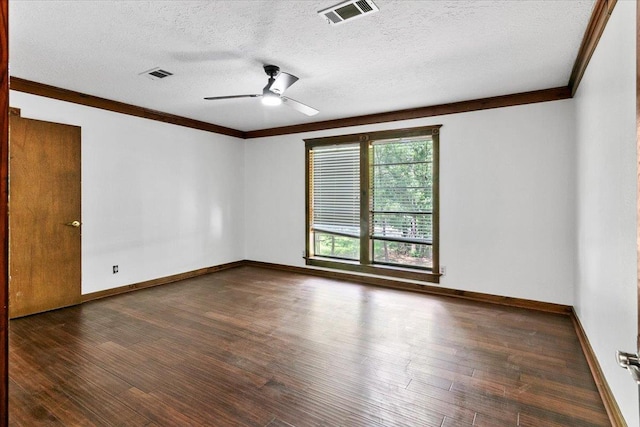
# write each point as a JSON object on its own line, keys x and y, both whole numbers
{"x": 610, "y": 404}
{"x": 35, "y": 88}
{"x": 13, "y": 111}
{"x": 40, "y": 89}
{"x": 4, "y": 214}
{"x": 435, "y": 249}
{"x": 4, "y": 217}
{"x": 340, "y": 275}
{"x": 554, "y": 94}
{"x": 331, "y": 274}
{"x": 368, "y": 136}
{"x": 308, "y": 166}
{"x": 366, "y": 199}
{"x": 160, "y": 281}
{"x": 427, "y": 289}
{"x": 598, "y": 21}
{"x": 419, "y": 275}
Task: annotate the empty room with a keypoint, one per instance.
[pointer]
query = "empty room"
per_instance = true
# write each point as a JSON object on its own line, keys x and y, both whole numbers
{"x": 312, "y": 213}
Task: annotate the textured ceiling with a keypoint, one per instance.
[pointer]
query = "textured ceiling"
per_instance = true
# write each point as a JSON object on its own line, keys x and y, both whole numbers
{"x": 410, "y": 54}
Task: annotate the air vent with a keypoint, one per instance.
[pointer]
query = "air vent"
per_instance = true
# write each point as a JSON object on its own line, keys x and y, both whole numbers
{"x": 156, "y": 73}
{"x": 348, "y": 10}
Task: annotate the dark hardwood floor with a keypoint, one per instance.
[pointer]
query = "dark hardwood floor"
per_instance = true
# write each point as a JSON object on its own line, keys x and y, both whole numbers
{"x": 257, "y": 347}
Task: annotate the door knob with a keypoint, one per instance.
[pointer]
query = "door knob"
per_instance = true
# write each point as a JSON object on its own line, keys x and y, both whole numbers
{"x": 74, "y": 224}
{"x": 631, "y": 362}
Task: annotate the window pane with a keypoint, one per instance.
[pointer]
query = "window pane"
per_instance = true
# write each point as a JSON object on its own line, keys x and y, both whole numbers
{"x": 401, "y": 253}
{"x": 403, "y": 150}
{"x": 407, "y": 187}
{"x": 402, "y": 200}
{"x": 335, "y": 181}
{"x": 330, "y": 245}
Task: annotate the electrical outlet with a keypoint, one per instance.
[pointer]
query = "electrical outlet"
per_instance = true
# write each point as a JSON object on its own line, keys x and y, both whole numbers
{"x": 115, "y": 269}
{"x": 443, "y": 270}
{"x": 304, "y": 253}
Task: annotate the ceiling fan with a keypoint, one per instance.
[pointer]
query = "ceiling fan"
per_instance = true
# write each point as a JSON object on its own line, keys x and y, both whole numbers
{"x": 272, "y": 94}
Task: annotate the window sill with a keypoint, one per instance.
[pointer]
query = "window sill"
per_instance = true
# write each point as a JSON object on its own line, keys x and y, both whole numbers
{"x": 379, "y": 270}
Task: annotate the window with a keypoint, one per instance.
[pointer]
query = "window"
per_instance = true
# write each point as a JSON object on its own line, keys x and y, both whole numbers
{"x": 372, "y": 202}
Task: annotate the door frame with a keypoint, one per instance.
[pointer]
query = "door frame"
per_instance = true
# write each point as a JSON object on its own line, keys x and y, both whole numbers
{"x": 4, "y": 218}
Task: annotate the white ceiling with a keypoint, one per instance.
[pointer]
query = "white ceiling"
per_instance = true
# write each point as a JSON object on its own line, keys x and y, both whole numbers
{"x": 410, "y": 54}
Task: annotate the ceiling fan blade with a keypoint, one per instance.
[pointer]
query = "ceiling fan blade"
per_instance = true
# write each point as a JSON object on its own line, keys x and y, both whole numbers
{"x": 283, "y": 81}
{"x": 299, "y": 106}
{"x": 232, "y": 97}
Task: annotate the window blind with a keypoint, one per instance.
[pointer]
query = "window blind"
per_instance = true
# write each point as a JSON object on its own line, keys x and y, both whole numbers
{"x": 335, "y": 172}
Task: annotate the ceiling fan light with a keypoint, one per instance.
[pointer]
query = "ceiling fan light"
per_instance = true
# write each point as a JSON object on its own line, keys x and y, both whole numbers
{"x": 271, "y": 99}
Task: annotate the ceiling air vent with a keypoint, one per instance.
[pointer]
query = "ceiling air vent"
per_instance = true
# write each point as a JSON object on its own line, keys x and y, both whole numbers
{"x": 348, "y": 10}
{"x": 156, "y": 73}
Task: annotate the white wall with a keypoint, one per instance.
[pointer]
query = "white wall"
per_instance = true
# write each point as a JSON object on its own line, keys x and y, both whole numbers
{"x": 507, "y": 206}
{"x": 157, "y": 199}
{"x": 606, "y": 293}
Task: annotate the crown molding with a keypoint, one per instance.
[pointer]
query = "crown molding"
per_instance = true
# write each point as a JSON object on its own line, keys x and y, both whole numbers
{"x": 35, "y": 88}
{"x": 597, "y": 23}
{"x": 545, "y": 95}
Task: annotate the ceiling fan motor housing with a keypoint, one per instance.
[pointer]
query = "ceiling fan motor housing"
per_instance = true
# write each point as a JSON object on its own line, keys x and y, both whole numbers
{"x": 271, "y": 70}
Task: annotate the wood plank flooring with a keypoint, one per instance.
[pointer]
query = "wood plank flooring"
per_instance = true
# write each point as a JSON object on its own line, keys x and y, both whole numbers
{"x": 257, "y": 347}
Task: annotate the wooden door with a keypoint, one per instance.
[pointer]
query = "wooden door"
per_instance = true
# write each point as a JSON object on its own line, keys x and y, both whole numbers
{"x": 44, "y": 216}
